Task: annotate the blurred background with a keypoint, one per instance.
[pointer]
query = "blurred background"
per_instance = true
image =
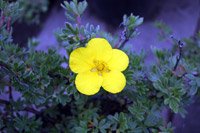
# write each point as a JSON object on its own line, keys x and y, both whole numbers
{"x": 182, "y": 17}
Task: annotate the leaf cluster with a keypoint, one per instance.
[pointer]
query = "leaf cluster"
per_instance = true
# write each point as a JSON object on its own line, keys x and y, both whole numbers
{"x": 41, "y": 91}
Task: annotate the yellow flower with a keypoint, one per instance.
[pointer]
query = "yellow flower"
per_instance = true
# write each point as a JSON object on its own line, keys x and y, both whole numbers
{"x": 98, "y": 65}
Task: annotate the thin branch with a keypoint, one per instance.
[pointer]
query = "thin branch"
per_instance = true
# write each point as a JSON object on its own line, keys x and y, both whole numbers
{"x": 78, "y": 20}
{"x": 8, "y": 25}
{"x": 2, "y": 19}
{"x": 10, "y": 93}
{"x": 12, "y": 73}
{"x": 197, "y": 28}
{"x": 180, "y": 46}
{"x": 123, "y": 39}
{"x": 28, "y": 109}
{"x": 170, "y": 116}
{"x": 4, "y": 102}
{"x": 11, "y": 100}
{"x": 123, "y": 43}
{"x": 32, "y": 110}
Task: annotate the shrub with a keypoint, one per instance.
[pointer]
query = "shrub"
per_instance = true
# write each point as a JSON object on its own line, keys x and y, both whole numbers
{"x": 48, "y": 100}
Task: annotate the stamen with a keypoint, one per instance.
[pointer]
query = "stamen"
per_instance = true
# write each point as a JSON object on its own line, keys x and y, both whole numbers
{"x": 100, "y": 67}
{"x": 94, "y": 69}
{"x": 107, "y": 70}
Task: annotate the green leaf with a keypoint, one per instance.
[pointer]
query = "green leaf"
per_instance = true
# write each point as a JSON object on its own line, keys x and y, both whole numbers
{"x": 193, "y": 90}
{"x": 153, "y": 119}
{"x": 173, "y": 103}
{"x": 81, "y": 7}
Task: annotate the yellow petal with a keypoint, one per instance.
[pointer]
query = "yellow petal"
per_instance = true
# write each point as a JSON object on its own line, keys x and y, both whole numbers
{"x": 80, "y": 60}
{"x": 114, "y": 81}
{"x": 119, "y": 60}
{"x": 88, "y": 83}
{"x": 100, "y": 48}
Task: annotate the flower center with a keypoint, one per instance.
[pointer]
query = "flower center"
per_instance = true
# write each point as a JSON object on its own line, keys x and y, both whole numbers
{"x": 100, "y": 67}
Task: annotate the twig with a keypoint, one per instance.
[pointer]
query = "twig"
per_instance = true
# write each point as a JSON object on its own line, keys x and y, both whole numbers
{"x": 12, "y": 73}
{"x": 10, "y": 107}
{"x": 180, "y": 46}
{"x": 170, "y": 116}
{"x": 123, "y": 43}
{"x": 32, "y": 110}
{"x": 2, "y": 19}
{"x": 123, "y": 39}
{"x": 80, "y": 36}
{"x": 78, "y": 20}
{"x": 4, "y": 102}
{"x": 9, "y": 24}
{"x": 197, "y": 28}
{"x": 28, "y": 109}
{"x": 10, "y": 93}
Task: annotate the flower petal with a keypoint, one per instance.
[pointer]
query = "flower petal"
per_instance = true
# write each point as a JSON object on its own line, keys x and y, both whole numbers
{"x": 114, "y": 81}
{"x": 101, "y": 48}
{"x": 119, "y": 60}
{"x": 80, "y": 60}
{"x": 88, "y": 83}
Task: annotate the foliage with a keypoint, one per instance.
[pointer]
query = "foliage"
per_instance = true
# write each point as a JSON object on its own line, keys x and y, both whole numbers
{"x": 165, "y": 30}
{"x": 31, "y": 10}
{"x": 49, "y": 102}
{"x": 25, "y": 10}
